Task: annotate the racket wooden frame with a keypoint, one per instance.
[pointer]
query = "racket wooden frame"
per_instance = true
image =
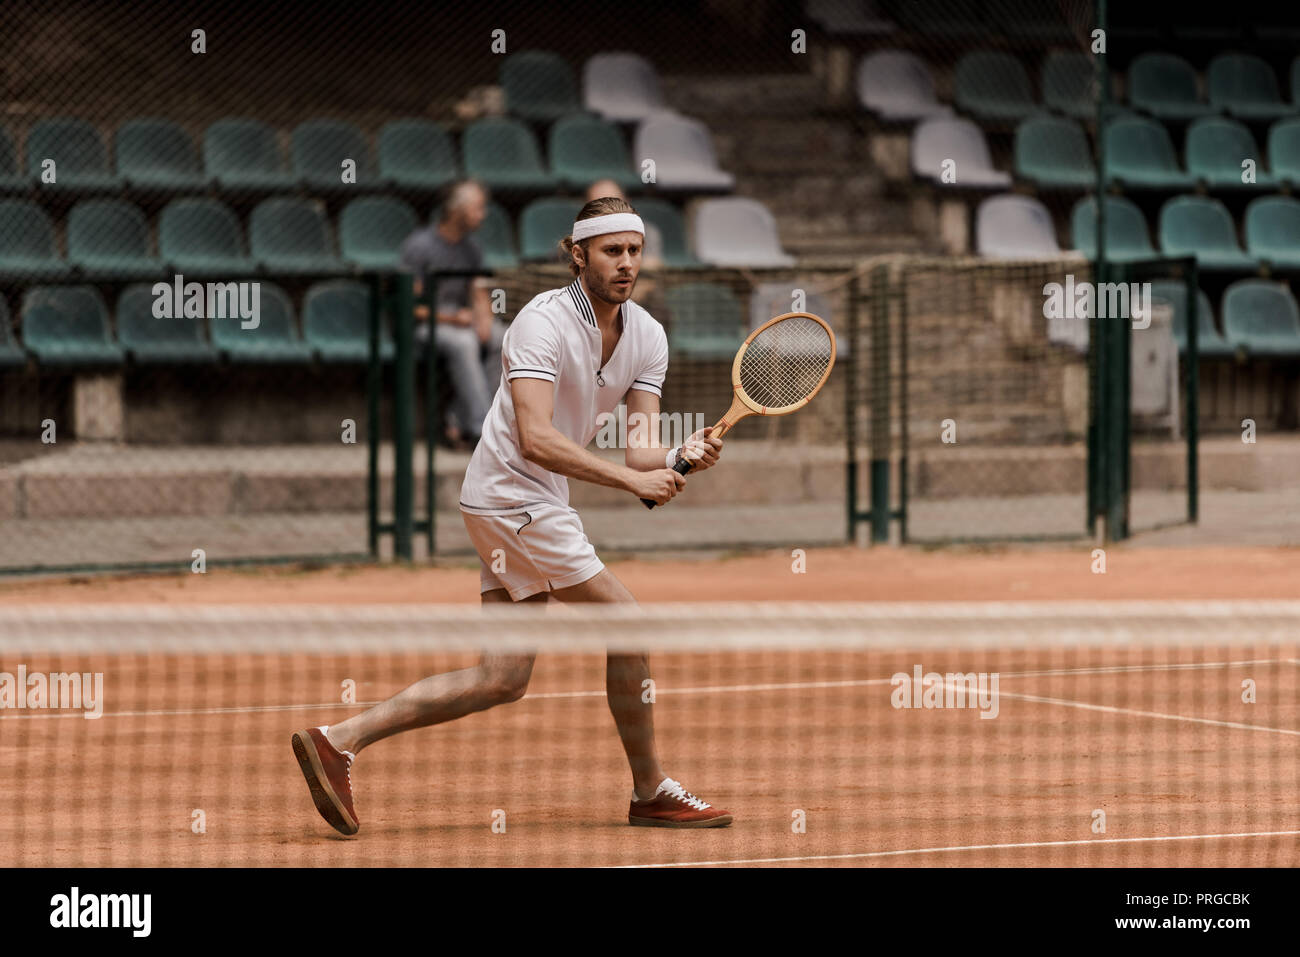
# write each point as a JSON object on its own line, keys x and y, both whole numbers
{"x": 742, "y": 406}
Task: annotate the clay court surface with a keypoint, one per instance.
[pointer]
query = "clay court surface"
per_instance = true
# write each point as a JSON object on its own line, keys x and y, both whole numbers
{"x": 833, "y": 574}
{"x": 1157, "y": 738}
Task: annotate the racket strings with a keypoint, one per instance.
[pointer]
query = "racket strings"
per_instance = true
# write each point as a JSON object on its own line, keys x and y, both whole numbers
{"x": 786, "y": 362}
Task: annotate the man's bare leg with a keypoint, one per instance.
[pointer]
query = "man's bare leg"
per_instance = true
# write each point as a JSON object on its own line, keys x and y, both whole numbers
{"x": 624, "y": 675}
{"x": 496, "y": 679}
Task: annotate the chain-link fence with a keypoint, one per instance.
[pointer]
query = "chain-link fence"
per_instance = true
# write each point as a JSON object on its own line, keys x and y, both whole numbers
{"x": 973, "y": 404}
{"x": 150, "y": 146}
{"x": 270, "y": 155}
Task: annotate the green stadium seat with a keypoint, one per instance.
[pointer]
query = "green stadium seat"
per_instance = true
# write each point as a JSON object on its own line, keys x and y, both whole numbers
{"x": 672, "y": 230}
{"x": 1054, "y": 153}
{"x": 1164, "y": 85}
{"x": 1127, "y": 237}
{"x": 157, "y": 155}
{"x": 1284, "y": 151}
{"x": 274, "y": 340}
{"x": 79, "y": 155}
{"x": 1068, "y": 79}
{"x": 11, "y": 180}
{"x": 993, "y": 87}
{"x": 336, "y": 322}
{"x": 372, "y": 229}
{"x": 705, "y": 321}
{"x": 110, "y": 237}
{"x": 27, "y": 250}
{"x": 12, "y": 355}
{"x": 153, "y": 341}
{"x": 949, "y": 19}
{"x": 1201, "y": 226}
{"x": 541, "y": 226}
{"x": 244, "y": 156}
{"x": 584, "y": 149}
{"x": 1261, "y": 317}
{"x": 416, "y": 155}
{"x": 1210, "y": 343}
{"x": 539, "y": 86}
{"x": 1245, "y": 86}
{"x": 292, "y": 236}
{"x": 1216, "y": 147}
{"x": 68, "y": 325}
{"x": 1142, "y": 156}
{"x": 319, "y": 147}
{"x": 503, "y": 155}
{"x": 1273, "y": 231}
{"x": 203, "y": 237}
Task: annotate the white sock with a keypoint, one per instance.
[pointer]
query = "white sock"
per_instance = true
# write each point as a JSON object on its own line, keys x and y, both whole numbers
{"x": 656, "y": 793}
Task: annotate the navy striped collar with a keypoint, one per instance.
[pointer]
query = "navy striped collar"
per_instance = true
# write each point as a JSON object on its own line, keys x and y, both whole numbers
{"x": 579, "y": 296}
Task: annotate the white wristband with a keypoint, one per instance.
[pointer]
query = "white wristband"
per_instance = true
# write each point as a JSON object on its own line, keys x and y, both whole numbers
{"x": 671, "y": 459}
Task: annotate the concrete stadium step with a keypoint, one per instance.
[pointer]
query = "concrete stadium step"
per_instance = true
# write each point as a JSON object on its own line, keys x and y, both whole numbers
{"x": 719, "y": 96}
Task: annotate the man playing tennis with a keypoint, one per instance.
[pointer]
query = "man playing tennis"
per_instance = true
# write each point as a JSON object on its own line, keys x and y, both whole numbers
{"x": 571, "y": 355}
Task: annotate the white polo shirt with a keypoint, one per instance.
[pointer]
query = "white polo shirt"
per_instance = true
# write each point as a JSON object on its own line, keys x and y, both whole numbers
{"x": 556, "y": 338}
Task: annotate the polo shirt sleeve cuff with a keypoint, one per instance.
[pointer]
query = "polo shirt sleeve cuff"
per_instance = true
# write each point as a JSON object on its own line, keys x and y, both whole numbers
{"x": 645, "y": 386}
{"x": 525, "y": 373}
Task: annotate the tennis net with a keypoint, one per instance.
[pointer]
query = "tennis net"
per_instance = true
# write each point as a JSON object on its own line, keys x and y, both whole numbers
{"x": 836, "y": 734}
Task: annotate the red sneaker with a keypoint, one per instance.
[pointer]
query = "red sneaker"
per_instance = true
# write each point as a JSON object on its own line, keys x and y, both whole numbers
{"x": 673, "y": 806}
{"x": 329, "y": 775}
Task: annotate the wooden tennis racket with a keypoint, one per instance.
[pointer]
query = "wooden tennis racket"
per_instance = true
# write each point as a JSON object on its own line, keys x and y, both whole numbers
{"x": 778, "y": 369}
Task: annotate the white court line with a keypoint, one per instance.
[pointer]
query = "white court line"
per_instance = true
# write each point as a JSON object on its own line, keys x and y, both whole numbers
{"x": 1126, "y": 669}
{"x": 967, "y": 847}
{"x": 1110, "y": 709}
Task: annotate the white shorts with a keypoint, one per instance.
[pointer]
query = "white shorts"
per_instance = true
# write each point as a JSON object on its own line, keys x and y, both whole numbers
{"x": 538, "y": 548}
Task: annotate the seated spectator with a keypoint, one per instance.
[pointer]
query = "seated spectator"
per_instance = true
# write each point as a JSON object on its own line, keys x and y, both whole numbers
{"x": 466, "y": 333}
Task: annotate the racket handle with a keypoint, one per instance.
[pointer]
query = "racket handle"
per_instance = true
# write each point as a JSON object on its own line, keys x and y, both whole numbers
{"x": 681, "y": 468}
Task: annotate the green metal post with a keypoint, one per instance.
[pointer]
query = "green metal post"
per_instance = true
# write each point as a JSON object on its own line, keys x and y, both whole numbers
{"x": 903, "y": 382}
{"x": 374, "y": 381}
{"x": 403, "y": 401}
{"x": 851, "y": 415}
{"x": 1193, "y": 393}
{"x": 430, "y": 414}
{"x": 1100, "y": 427}
{"x": 1123, "y": 422}
{"x": 880, "y": 396}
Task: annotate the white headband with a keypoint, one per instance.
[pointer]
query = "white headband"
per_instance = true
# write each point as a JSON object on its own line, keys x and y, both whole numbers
{"x": 609, "y": 223}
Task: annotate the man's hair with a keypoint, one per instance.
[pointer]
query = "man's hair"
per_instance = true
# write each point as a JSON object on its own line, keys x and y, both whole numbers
{"x": 597, "y": 207}
{"x": 459, "y": 194}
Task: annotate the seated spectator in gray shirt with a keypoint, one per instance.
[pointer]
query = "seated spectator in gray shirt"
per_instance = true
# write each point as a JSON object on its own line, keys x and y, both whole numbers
{"x": 466, "y": 333}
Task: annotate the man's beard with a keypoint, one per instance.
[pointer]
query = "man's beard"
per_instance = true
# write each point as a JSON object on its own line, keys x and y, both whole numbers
{"x": 606, "y": 292}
